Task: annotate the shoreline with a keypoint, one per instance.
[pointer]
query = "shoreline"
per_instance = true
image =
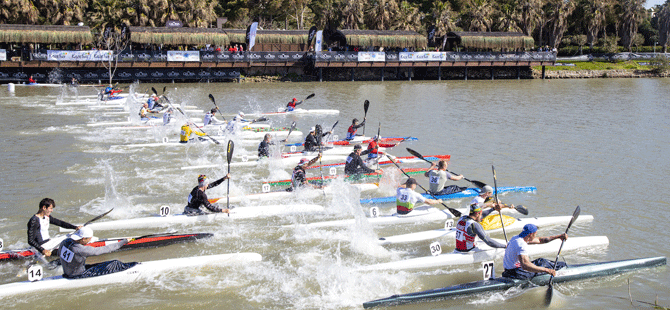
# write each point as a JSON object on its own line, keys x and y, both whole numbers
{"x": 594, "y": 74}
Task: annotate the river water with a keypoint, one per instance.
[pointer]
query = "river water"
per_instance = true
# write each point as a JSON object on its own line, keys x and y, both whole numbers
{"x": 600, "y": 144}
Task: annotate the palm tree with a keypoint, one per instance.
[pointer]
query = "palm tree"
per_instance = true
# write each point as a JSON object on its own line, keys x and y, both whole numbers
{"x": 508, "y": 15}
{"x": 325, "y": 12}
{"x": 352, "y": 14}
{"x": 631, "y": 14}
{"x": 107, "y": 12}
{"x": 408, "y": 17}
{"x": 18, "y": 12}
{"x": 594, "y": 17}
{"x": 557, "y": 19}
{"x": 664, "y": 25}
{"x": 299, "y": 10}
{"x": 443, "y": 18}
{"x": 479, "y": 14}
{"x": 194, "y": 13}
{"x": 379, "y": 14}
{"x": 530, "y": 16}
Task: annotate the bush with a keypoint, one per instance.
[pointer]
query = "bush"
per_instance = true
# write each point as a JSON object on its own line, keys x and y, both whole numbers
{"x": 660, "y": 64}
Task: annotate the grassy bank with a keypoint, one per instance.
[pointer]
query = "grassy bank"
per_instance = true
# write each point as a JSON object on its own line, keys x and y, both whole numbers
{"x": 598, "y": 65}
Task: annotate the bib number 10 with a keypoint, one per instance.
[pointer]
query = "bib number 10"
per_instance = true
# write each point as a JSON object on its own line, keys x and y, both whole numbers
{"x": 487, "y": 270}
{"x": 165, "y": 210}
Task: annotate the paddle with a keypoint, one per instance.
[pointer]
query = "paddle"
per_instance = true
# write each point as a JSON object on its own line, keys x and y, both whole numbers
{"x": 475, "y": 182}
{"x": 495, "y": 184}
{"x": 187, "y": 119}
{"x": 216, "y": 106}
{"x": 331, "y": 130}
{"x": 366, "y": 105}
{"x": 550, "y": 288}
{"x": 453, "y": 211}
{"x": 229, "y": 156}
{"x": 318, "y": 132}
{"x": 289, "y": 131}
{"x": 262, "y": 119}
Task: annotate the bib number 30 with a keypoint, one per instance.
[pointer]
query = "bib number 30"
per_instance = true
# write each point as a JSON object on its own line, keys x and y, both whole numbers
{"x": 435, "y": 248}
{"x": 35, "y": 273}
{"x": 488, "y": 270}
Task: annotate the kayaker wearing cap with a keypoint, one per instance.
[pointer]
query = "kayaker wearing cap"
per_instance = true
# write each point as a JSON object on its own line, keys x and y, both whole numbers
{"x": 468, "y": 229}
{"x": 351, "y": 132}
{"x": 291, "y": 104}
{"x": 485, "y": 199}
{"x": 186, "y": 131}
{"x": 312, "y": 141}
{"x": 167, "y": 116}
{"x": 355, "y": 164}
{"x": 437, "y": 179}
{"x": 143, "y": 112}
{"x": 406, "y": 197}
{"x": 198, "y": 198}
{"x": 373, "y": 151}
{"x": 236, "y": 123}
{"x": 298, "y": 178}
{"x": 38, "y": 226}
{"x": 516, "y": 261}
{"x": 264, "y": 146}
{"x": 73, "y": 252}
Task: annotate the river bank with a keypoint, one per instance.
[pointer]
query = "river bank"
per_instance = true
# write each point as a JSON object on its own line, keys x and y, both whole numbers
{"x": 591, "y": 74}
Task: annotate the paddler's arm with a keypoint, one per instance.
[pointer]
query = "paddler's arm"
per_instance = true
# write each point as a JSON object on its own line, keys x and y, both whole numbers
{"x": 311, "y": 162}
{"x": 479, "y": 231}
{"x": 432, "y": 166}
{"x": 95, "y": 251}
{"x": 35, "y": 237}
{"x": 59, "y": 223}
{"x": 219, "y": 181}
{"x": 527, "y": 265}
{"x": 199, "y": 133}
{"x": 563, "y": 236}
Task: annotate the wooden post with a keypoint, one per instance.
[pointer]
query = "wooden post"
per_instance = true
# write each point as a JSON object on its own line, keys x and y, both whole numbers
{"x": 465, "y": 73}
{"x": 543, "y": 76}
{"x": 382, "y": 74}
{"x": 352, "y": 74}
{"x": 320, "y": 74}
{"x": 439, "y": 73}
{"x": 518, "y": 73}
{"x": 409, "y": 74}
{"x": 492, "y": 73}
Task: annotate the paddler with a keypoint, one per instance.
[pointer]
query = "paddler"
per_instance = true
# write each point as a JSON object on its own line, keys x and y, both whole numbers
{"x": 143, "y": 112}
{"x": 153, "y": 104}
{"x": 31, "y": 80}
{"x": 167, "y": 116}
{"x": 373, "y": 151}
{"x": 437, "y": 179}
{"x": 312, "y": 142}
{"x": 485, "y": 199}
{"x": 235, "y": 124}
{"x": 468, "y": 228}
{"x": 73, "y": 252}
{"x": 355, "y": 164}
{"x": 209, "y": 118}
{"x": 264, "y": 146}
{"x": 406, "y": 197}
{"x": 198, "y": 198}
{"x": 298, "y": 178}
{"x": 291, "y": 104}
{"x": 38, "y": 226}
{"x": 186, "y": 131}
{"x": 516, "y": 261}
{"x": 351, "y": 132}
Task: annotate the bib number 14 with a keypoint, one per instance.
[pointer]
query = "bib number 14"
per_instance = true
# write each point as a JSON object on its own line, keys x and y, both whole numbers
{"x": 35, "y": 273}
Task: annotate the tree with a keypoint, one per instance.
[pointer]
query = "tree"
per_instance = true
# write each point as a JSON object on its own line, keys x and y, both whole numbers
{"x": 112, "y": 40}
{"x": 479, "y": 14}
{"x": 193, "y": 13}
{"x": 378, "y": 15}
{"x": 298, "y": 10}
{"x": 507, "y": 17}
{"x": 557, "y": 15}
{"x": 153, "y": 13}
{"x": 62, "y": 12}
{"x": 631, "y": 13}
{"x": 325, "y": 12}
{"x": 442, "y": 18}
{"x": 664, "y": 25}
{"x": 107, "y": 12}
{"x": 353, "y": 14}
{"x": 531, "y": 15}
{"x": 408, "y": 17}
{"x": 18, "y": 12}
{"x": 594, "y": 18}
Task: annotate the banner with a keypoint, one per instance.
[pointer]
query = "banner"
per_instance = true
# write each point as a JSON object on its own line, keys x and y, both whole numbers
{"x": 422, "y": 56}
{"x": 251, "y": 35}
{"x": 310, "y": 35}
{"x": 3, "y": 55}
{"x": 319, "y": 41}
{"x": 95, "y": 55}
{"x": 371, "y": 56}
{"x": 183, "y": 56}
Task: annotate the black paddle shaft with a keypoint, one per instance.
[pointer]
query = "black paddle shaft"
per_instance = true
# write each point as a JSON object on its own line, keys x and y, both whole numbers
{"x": 475, "y": 182}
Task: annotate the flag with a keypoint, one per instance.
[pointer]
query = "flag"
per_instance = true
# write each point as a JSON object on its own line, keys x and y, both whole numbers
{"x": 251, "y": 35}
{"x": 319, "y": 41}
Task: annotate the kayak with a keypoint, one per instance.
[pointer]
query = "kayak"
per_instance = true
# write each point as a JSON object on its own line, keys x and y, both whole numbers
{"x": 317, "y": 180}
{"x": 482, "y": 252}
{"x": 399, "y": 160}
{"x": 143, "y": 270}
{"x": 311, "y": 154}
{"x": 259, "y": 133}
{"x": 569, "y": 273}
{"x": 470, "y": 192}
{"x": 152, "y": 121}
{"x": 182, "y": 219}
{"x": 303, "y": 194}
{"x": 511, "y": 225}
{"x": 153, "y": 241}
{"x": 420, "y": 214}
{"x": 38, "y": 84}
{"x": 363, "y": 139}
{"x": 297, "y": 111}
{"x": 113, "y": 100}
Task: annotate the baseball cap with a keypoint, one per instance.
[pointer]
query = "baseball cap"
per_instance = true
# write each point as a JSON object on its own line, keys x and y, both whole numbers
{"x": 312, "y": 129}
{"x": 357, "y": 147}
{"x": 83, "y": 232}
{"x": 486, "y": 189}
{"x": 410, "y": 181}
{"x": 475, "y": 208}
{"x": 527, "y": 230}
{"x": 302, "y": 161}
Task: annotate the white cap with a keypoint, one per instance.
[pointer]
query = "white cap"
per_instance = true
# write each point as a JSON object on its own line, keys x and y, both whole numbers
{"x": 312, "y": 129}
{"x": 83, "y": 232}
{"x": 241, "y": 114}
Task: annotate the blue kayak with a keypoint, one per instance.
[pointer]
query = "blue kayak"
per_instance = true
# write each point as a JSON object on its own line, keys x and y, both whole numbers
{"x": 470, "y": 192}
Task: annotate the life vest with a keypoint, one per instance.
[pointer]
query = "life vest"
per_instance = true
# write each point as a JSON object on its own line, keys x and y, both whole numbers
{"x": 464, "y": 241}
{"x": 403, "y": 200}
{"x": 184, "y": 133}
{"x": 298, "y": 177}
{"x": 291, "y": 104}
{"x": 373, "y": 149}
{"x": 208, "y": 119}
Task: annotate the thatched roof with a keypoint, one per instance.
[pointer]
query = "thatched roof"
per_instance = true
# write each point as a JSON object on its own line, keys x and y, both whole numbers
{"x": 385, "y": 38}
{"x": 269, "y": 36}
{"x": 178, "y": 36}
{"x": 491, "y": 40}
{"x": 45, "y": 34}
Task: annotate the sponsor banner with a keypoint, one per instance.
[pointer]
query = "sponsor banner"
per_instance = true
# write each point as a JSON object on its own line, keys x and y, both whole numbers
{"x": 3, "y": 55}
{"x": 371, "y": 56}
{"x": 319, "y": 41}
{"x": 183, "y": 56}
{"x": 337, "y": 56}
{"x": 94, "y": 55}
{"x": 422, "y": 56}
{"x": 251, "y": 35}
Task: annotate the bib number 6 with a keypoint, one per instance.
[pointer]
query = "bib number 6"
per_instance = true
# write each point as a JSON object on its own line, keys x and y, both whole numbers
{"x": 374, "y": 212}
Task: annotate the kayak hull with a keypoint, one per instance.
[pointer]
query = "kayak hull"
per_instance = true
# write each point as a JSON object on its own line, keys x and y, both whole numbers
{"x": 570, "y": 273}
{"x": 470, "y": 192}
{"x": 304, "y": 194}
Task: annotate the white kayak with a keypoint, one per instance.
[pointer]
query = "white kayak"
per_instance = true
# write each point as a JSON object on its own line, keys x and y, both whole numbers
{"x": 113, "y": 101}
{"x": 38, "y": 85}
{"x": 198, "y": 124}
{"x": 181, "y": 219}
{"x": 303, "y": 194}
{"x": 288, "y": 162}
{"x": 420, "y": 214}
{"x": 484, "y": 253}
{"x": 339, "y": 150}
{"x": 515, "y": 224}
{"x": 297, "y": 111}
{"x": 143, "y": 270}
{"x": 152, "y": 122}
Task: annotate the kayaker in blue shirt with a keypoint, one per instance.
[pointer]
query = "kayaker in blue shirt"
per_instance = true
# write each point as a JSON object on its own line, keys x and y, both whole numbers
{"x": 516, "y": 261}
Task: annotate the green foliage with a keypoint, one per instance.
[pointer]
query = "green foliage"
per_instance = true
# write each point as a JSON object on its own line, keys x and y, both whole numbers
{"x": 660, "y": 64}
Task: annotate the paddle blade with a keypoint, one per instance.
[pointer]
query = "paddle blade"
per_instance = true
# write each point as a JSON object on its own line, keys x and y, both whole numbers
{"x": 310, "y": 96}
{"x": 417, "y": 155}
{"x": 98, "y": 217}
{"x": 153, "y": 89}
{"x": 262, "y": 119}
{"x": 164, "y": 88}
{"x": 333, "y": 128}
{"x": 212, "y": 99}
{"x": 550, "y": 294}
{"x": 293, "y": 125}
{"x": 229, "y": 150}
{"x": 521, "y": 209}
{"x": 366, "y": 106}
{"x": 575, "y": 215}
{"x": 379, "y": 128}
{"x": 479, "y": 184}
